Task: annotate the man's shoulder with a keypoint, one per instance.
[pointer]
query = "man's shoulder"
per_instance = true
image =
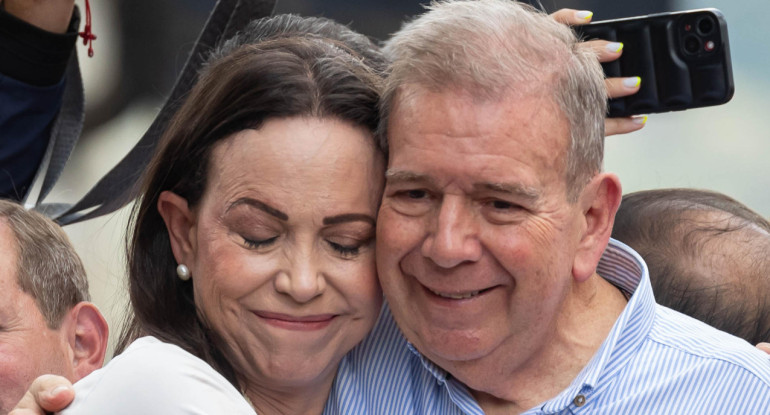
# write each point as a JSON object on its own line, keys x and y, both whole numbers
{"x": 694, "y": 341}
{"x": 383, "y": 356}
{"x": 683, "y": 366}
{"x": 386, "y": 375}
{"x": 686, "y": 367}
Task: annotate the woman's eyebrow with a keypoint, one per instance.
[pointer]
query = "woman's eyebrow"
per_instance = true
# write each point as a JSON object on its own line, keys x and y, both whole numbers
{"x": 348, "y": 217}
{"x": 261, "y": 206}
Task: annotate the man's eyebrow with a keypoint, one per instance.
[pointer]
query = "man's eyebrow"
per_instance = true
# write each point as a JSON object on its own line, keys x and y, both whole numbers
{"x": 349, "y": 217}
{"x": 526, "y": 192}
{"x": 261, "y": 206}
{"x": 393, "y": 176}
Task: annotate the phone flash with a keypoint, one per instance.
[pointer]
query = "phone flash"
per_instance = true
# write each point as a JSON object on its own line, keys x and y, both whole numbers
{"x": 709, "y": 46}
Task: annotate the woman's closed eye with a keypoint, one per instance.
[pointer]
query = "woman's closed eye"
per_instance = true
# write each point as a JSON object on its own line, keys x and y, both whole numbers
{"x": 348, "y": 247}
{"x": 345, "y": 250}
{"x": 253, "y": 243}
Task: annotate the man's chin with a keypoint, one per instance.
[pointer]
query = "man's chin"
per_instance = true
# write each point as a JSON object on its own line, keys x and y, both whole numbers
{"x": 454, "y": 346}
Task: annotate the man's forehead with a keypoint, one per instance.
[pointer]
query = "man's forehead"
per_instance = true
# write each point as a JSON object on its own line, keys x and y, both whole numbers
{"x": 8, "y": 255}
{"x": 528, "y": 130}
{"x": 464, "y": 111}
{"x": 8, "y": 241}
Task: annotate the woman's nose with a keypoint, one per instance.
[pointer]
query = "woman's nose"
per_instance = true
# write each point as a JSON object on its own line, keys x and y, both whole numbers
{"x": 302, "y": 281}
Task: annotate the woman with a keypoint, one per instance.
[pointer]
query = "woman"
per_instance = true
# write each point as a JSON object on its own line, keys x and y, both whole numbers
{"x": 251, "y": 262}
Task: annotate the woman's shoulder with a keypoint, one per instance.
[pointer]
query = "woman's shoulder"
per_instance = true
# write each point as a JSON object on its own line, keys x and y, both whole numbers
{"x": 151, "y": 376}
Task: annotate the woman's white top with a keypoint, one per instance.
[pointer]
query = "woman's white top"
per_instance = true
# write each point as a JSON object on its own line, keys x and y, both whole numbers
{"x": 153, "y": 377}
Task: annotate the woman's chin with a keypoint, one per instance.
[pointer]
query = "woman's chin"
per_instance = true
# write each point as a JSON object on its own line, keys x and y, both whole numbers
{"x": 292, "y": 372}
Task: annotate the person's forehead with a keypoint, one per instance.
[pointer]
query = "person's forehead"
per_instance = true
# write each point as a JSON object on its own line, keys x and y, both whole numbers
{"x": 9, "y": 285}
{"x": 527, "y": 129}
{"x": 461, "y": 110}
{"x": 8, "y": 250}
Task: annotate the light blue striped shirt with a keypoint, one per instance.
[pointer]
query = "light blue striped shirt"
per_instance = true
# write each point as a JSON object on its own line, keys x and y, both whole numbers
{"x": 654, "y": 361}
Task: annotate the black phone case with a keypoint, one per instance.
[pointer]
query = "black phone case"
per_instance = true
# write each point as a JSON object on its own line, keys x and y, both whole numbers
{"x": 660, "y": 48}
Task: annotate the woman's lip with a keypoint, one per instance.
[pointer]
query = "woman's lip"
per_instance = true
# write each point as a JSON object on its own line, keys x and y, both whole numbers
{"x": 315, "y": 318}
{"x": 292, "y": 322}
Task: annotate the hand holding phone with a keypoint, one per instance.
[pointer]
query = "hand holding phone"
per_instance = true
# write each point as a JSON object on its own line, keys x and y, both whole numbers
{"x": 683, "y": 60}
{"x": 605, "y": 51}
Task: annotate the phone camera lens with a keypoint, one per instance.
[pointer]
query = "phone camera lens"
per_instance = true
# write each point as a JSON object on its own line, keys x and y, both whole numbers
{"x": 691, "y": 44}
{"x": 705, "y": 26}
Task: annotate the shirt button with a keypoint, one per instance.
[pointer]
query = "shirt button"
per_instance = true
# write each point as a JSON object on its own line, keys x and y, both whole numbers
{"x": 579, "y": 400}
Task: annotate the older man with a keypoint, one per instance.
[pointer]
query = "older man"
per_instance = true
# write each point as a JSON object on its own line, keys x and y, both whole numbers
{"x": 47, "y": 324}
{"x": 493, "y": 239}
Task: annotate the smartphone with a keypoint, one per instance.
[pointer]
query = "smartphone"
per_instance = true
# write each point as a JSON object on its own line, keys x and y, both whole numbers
{"x": 683, "y": 59}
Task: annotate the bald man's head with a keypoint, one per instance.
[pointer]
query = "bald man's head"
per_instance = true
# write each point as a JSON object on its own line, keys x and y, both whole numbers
{"x": 708, "y": 255}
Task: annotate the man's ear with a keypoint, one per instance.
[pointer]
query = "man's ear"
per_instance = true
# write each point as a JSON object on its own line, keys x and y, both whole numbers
{"x": 180, "y": 224}
{"x": 598, "y": 202}
{"x": 88, "y": 334}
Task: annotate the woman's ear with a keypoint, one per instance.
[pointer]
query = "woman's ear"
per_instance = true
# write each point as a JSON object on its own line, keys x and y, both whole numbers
{"x": 180, "y": 223}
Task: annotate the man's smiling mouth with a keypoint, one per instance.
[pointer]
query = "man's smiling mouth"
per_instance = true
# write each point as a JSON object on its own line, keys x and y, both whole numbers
{"x": 457, "y": 296}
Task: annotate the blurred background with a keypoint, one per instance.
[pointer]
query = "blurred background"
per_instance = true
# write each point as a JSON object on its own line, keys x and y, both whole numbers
{"x": 142, "y": 44}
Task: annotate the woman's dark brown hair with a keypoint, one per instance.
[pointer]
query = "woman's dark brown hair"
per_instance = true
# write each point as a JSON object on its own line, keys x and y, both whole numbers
{"x": 284, "y": 66}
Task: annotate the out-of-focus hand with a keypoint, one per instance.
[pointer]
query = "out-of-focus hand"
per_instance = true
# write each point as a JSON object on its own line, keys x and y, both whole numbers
{"x": 616, "y": 87}
{"x": 48, "y": 393}
{"x": 765, "y": 347}
{"x": 50, "y": 15}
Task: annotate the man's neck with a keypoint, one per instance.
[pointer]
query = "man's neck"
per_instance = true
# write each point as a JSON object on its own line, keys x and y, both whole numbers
{"x": 589, "y": 312}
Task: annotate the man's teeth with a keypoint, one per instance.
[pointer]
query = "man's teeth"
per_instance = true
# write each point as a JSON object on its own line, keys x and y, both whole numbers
{"x": 457, "y": 296}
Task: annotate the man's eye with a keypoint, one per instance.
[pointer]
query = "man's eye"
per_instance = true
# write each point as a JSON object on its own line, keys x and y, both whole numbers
{"x": 503, "y": 205}
{"x": 502, "y": 212}
{"x": 259, "y": 243}
{"x": 415, "y": 194}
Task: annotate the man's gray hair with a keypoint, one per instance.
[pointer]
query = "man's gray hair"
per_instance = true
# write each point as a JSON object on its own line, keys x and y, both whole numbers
{"x": 49, "y": 269}
{"x": 493, "y": 49}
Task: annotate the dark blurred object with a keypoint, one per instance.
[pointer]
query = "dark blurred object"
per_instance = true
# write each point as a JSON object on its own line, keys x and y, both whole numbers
{"x": 157, "y": 35}
{"x": 683, "y": 58}
{"x": 379, "y": 19}
{"x": 120, "y": 185}
{"x": 155, "y": 39}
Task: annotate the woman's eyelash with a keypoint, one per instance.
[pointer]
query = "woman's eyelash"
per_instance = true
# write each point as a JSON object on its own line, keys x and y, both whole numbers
{"x": 254, "y": 244}
{"x": 345, "y": 250}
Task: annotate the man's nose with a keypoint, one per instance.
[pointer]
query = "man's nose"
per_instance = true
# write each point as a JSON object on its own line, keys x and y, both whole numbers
{"x": 454, "y": 237}
{"x": 303, "y": 280}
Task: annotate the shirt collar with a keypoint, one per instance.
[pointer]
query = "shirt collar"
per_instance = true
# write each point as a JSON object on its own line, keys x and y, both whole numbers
{"x": 624, "y": 268}
{"x": 437, "y": 372}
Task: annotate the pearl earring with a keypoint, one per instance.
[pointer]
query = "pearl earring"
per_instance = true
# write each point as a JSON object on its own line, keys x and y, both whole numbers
{"x": 183, "y": 272}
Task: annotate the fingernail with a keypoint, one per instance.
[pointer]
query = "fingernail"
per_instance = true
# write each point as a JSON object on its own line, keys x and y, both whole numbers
{"x": 632, "y": 82}
{"x": 614, "y": 47}
{"x": 584, "y": 15}
{"x": 59, "y": 389}
{"x": 641, "y": 119}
